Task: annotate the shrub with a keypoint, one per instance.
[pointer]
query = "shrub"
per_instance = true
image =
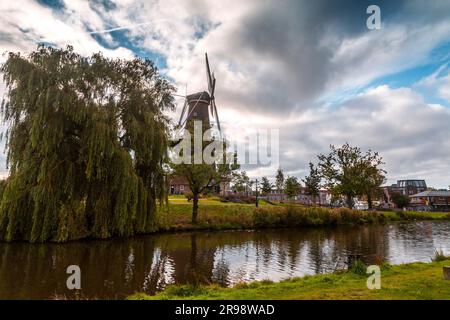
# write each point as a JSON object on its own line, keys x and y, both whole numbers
{"x": 238, "y": 199}
{"x": 295, "y": 216}
{"x": 440, "y": 256}
{"x": 185, "y": 290}
{"x": 359, "y": 268}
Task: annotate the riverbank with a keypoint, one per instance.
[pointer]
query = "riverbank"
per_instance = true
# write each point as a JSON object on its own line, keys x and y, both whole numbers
{"x": 216, "y": 215}
{"x": 421, "y": 281}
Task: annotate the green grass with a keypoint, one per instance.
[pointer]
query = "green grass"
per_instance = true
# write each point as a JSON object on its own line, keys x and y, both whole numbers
{"x": 212, "y": 214}
{"x": 217, "y": 215}
{"x": 422, "y": 281}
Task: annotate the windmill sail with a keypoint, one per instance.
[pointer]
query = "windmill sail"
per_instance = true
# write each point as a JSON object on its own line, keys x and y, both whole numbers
{"x": 201, "y": 105}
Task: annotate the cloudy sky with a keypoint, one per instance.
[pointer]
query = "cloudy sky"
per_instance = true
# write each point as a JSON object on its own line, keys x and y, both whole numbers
{"x": 311, "y": 69}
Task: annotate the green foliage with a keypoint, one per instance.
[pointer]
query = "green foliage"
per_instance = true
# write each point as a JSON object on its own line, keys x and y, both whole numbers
{"x": 2, "y": 187}
{"x": 440, "y": 256}
{"x": 313, "y": 180}
{"x": 298, "y": 216}
{"x": 406, "y": 281}
{"x": 400, "y": 200}
{"x": 242, "y": 182}
{"x": 86, "y": 145}
{"x": 214, "y": 214}
{"x": 359, "y": 268}
{"x": 266, "y": 186}
{"x": 279, "y": 180}
{"x": 291, "y": 187}
{"x": 349, "y": 172}
{"x": 203, "y": 177}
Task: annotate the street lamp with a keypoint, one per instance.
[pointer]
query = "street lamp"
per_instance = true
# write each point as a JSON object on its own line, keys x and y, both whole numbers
{"x": 256, "y": 200}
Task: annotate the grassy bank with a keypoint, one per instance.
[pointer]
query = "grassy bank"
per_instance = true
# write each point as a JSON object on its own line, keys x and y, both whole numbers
{"x": 408, "y": 281}
{"x": 216, "y": 215}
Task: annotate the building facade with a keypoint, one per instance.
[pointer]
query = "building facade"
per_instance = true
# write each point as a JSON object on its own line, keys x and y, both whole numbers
{"x": 405, "y": 187}
{"x": 180, "y": 186}
{"x": 431, "y": 200}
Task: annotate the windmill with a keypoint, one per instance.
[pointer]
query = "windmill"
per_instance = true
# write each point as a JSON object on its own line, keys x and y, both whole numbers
{"x": 201, "y": 105}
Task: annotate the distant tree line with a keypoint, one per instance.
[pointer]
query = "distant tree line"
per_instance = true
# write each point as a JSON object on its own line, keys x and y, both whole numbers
{"x": 346, "y": 171}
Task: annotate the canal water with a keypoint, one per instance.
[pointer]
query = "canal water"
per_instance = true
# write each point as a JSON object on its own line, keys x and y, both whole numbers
{"x": 114, "y": 269}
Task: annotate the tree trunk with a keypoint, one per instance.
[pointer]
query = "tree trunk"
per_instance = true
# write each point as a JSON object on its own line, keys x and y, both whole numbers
{"x": 195, "y": 208}
{"x": 369, "y": 201}
{"x": 446, "y": 272}
{"x": 349, "y": 201}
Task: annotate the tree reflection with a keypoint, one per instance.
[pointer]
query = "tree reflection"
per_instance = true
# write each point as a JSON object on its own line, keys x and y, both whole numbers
{"x": 118, "y": 268}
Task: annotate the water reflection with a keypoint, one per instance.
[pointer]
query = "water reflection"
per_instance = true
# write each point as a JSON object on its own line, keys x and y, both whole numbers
{"x": 117, "y": 268}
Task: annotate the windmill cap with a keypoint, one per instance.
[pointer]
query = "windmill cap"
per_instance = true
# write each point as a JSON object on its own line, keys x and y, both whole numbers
{"x": 201, "y": 96}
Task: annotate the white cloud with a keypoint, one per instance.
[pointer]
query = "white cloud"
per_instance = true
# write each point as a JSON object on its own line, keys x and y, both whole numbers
{"x": 26, "y": 23}
{"x": 412, "y": 136}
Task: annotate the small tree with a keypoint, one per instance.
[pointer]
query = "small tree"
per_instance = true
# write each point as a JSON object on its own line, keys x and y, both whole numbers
{"x": 351, "y": 173}
{"x": 242, "y": 182}
{"x": 312, "y": 182}
{"x": 400, "y": 200}
{"x": 279, "y": 181}
{"x": 372, "y": 178}
{"x": 291, "y": 187}
{"x": 204, "y": 176}
{"x": 266, "y": 186}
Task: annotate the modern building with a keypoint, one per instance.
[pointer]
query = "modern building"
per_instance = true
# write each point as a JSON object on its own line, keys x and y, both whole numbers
{"x": 431, "y": 200}
{"x": 406, "y": 187}
{"x": 410, "y": 187}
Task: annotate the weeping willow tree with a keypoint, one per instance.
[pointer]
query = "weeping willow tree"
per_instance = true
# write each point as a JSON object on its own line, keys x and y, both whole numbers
{"x": 86, "y": 146}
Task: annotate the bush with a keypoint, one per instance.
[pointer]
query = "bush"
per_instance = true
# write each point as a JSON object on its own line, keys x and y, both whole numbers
{"x": 359, "y": 268}
{"x": 440, "y": 256}
{"x": 238, "y": 199}
{"x": 400, "y": 200}
{"x": 297, "y": 216}
{"x": 185, "y": 290}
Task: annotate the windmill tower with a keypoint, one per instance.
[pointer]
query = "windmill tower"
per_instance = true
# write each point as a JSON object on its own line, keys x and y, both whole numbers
{"x": 201, "y": 106}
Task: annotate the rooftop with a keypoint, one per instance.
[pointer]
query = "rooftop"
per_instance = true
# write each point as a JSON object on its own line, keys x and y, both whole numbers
{"x": 433, "y": 193}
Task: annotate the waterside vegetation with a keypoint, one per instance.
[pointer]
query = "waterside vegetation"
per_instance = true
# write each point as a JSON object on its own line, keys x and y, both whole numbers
{"x": 423, "y": 281}
{"x": 216, "y": 215}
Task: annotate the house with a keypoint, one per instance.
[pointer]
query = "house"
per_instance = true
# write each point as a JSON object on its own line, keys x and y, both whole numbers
{"x": 406, "y": 187}
{"x": 179, "y": 185}
{"x": 431, "y": 200}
